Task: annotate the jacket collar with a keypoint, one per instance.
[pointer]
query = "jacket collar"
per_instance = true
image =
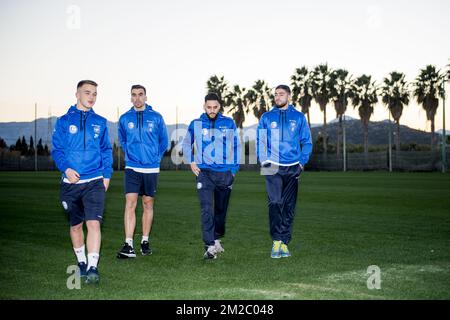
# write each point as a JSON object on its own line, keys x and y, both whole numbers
{"x": 147, "y": 108}
{"x": 205, "y": 117}
{"x": 73, "y": 109}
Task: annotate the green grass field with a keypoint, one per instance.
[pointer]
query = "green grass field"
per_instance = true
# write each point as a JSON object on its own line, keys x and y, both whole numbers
{"x": 344, "y": 223}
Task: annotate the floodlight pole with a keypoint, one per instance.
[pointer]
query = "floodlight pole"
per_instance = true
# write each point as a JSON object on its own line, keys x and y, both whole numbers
{"x": 176, "y": 132}
{"x": 118, "y": 142}
{"x": 444, "y": 133}
{"x": 390, "y": 143}
{"x": 35, "y": 138}
{"x": 344, "y": 153}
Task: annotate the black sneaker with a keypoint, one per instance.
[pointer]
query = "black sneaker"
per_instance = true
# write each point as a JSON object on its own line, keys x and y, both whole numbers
{"x": 126, "y": 252}
{"x": 145, "y": 248}
{"x": 92, "y": 276}
{"x": 83, "y": 269}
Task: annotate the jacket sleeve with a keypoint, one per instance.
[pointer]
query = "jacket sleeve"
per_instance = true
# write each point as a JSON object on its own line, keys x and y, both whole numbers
{"x": 122, "y": 134}
{"x": 163, "y": 138}
{"x": 106, "y": 154}
{"x": 305, "y": 142}
{"x": 58, "y": 145}
{"x": 261, "y": 141}
{"x": 187, "y": 144}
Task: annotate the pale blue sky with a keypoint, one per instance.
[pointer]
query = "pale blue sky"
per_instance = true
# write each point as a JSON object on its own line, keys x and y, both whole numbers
{"x": 172, "y": 47}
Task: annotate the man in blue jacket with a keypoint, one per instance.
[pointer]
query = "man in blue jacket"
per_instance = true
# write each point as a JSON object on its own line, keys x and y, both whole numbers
{"x": 283, "y": 148}
{"x": 83, "y": 153}
{"x": 215, "y": 163}
{"x": 143, "y": 136}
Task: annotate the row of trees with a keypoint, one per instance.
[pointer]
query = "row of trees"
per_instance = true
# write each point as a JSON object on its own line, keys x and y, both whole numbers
{"x": 26, "y": 149}
{"x": 338, "y": 87}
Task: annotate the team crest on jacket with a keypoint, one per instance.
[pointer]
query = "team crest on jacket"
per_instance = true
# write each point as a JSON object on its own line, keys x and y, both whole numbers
{"x": 96, "y": 130}
{"x": 273, "y": 124}
{"x": 150, "y": 125}
{"x": 73, "y": 129}
{"x": 292, "y": 124}
{"x": 204, "y": 131}
{"x": 130, "y": 125}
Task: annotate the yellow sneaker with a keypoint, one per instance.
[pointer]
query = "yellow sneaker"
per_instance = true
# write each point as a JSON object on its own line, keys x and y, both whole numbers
{"x": 284, "y": 251}
{"x": 276, "y": 253}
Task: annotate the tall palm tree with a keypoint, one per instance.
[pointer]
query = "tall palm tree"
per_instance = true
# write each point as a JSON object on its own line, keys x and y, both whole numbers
{"x": 260, "y": 98}
{"x": 364, "y": 96}
{"x": 340, "y": 93}
{"x": 395, "y": 95}
{"x": 321, "y": 91}
{"x": 238, "y": 104}
{"x": 301, "y": 90}
{"x": 427, "y": 90}
{"x": 219, "y": 86}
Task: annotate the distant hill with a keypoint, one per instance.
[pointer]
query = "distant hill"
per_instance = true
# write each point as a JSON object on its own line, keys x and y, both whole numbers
{"x": 10, "y": 131}
{"x": 378, "y": 131}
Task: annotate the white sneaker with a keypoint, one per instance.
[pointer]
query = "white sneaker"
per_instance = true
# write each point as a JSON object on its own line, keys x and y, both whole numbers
{"x": 210, "y": 253}
{"x": 218, "y": 246}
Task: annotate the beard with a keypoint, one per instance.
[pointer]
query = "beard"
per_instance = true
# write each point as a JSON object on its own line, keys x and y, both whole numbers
{"x": 213, "y": 117}
{"x": 281, "y": 105}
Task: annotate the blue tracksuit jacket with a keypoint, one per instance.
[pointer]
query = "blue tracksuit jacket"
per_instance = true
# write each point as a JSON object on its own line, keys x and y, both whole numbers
{"x": 143, "y": 137}
{"x": 81, "y": 142}
{"x": 283, "y": 137}
{"x": 216, "y": 143}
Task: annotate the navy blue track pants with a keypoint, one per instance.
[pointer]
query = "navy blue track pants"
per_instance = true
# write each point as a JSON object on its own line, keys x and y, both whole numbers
{"x": 214, "y": 190}
{"x": 282, "y": 189}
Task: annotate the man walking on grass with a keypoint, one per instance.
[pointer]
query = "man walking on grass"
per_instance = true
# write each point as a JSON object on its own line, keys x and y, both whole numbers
{"x": 283, "y": 148}
{"x": 143, "y": 137}
{"x": 83, "y": 153}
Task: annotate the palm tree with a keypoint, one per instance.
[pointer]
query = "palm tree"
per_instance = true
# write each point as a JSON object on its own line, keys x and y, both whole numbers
{"x": 301, "y": 90}
{"x": 364, "y": 96}
{"x": 395, "y": 95}
{"x": 219, "y": 86}
{"x": 340, "y": 93}
{"x": 259, "y": 98}
{"x": 238, "y": 104}
{"x": 321, "y": 91}
{"x": 427, "y": 90}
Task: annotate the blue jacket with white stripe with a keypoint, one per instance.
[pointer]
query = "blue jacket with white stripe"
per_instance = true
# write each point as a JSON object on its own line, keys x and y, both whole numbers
{"x": 283, "y": 137}
{"x": 80, "y": 141}
{"x": 143, "y": 137}
{"x": 217, "y": 145}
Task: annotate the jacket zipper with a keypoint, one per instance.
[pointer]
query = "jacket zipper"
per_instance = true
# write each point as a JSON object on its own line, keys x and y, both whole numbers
{"x": 139, "y": 123}
{"x": 83, "y": 127}
{"x": 282, "y": 125}
{"x": 213, "y": 138}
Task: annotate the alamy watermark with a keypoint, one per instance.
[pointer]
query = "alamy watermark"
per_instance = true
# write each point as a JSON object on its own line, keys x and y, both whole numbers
{"x": 74, "y": 279}
{"x": 73, "y": 21}
{"x": 374, "y": 280}
{"x": 225, "y": 146}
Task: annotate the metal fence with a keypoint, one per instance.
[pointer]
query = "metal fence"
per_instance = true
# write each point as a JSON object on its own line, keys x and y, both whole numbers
{"x": 401, "y": 161}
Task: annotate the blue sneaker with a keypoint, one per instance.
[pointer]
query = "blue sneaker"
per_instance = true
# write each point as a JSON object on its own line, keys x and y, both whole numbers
{"x": 83, "y": 269}
{"x": 276, "y": 249}
{"x": 285, "y": 251}
{"x": 92, "y": 276}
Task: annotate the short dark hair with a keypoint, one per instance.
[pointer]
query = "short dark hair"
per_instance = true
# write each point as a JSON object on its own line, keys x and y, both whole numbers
{"x": 284, "y": 87}
{"x": 138, "y": 86}
{"x": 212, "y": 96}
{"x": 83, "y": 82}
